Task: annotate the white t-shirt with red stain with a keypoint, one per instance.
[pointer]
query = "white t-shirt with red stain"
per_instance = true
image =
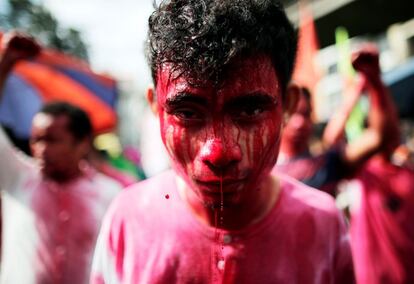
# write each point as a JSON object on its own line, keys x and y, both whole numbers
{"x": 49, "y": 230}
{"x": 149, "y": 235}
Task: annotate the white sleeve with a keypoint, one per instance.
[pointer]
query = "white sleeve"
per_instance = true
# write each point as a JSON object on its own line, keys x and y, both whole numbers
{"x": 13, "y": 164}
{"x": 103, "y": 266}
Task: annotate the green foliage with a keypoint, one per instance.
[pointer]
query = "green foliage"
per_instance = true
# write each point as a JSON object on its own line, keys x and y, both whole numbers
{"x": 36, "y": 20}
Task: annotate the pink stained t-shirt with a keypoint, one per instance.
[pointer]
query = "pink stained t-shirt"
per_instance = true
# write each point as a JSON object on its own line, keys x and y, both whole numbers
{"x": 382, "y": 227}
{"x": 150, "y": 236}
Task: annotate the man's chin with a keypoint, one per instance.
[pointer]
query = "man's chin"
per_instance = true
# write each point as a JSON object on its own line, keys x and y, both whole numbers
{"x": 217, "y": 199}
{"x": 53, "y": 175}
{"x": 213, "y": 194}
{"x": 220, "y": 204}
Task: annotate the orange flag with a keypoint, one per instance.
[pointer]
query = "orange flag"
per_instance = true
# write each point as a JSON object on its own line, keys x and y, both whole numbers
{"x": 306, "y": 73}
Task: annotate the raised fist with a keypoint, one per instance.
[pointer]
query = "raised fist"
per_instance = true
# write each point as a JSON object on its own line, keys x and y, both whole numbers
{"x": 366, "y": 61}
{"x": 17, "y": 46}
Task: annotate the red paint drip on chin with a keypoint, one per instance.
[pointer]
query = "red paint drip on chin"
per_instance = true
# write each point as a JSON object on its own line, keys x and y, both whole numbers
{"x": 218, "y": 247}
{"x": 213, "y": 254}
{"x": 221, "y": 214}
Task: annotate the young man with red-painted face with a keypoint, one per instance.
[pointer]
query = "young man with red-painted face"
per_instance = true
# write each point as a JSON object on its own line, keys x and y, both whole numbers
{"x": 220, "y": 70}
{"x": 52, "y": 204}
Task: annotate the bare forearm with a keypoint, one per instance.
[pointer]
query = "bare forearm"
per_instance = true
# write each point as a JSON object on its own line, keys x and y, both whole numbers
{"x": 381, "y": 126}
{"x": 334, "y": 131}
{"x": 383, "y": 118}
{"x": 381, "y": 114}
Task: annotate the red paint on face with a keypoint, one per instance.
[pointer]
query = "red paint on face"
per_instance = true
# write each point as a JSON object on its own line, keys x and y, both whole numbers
{"x": 54, "y": 146}
{"x": 223, "y": 140}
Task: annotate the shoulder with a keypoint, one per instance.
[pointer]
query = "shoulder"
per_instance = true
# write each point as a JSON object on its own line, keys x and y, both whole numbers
{"x": 145, "y": 194}
{"x": 310, "y": 210}
{"x": 155, "y": 185}
{"x": 302, "y": 198}
{"x": 389, "y": 176}
{"x": 137, "y": 207}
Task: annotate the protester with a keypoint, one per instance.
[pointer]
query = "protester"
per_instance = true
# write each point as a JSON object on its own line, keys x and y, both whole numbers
{"x": 341, "y": 160}
{"x": 52, "y": 204}
{"x": 322, "y": 171}
{"x": 220, "y": 71}
{"x": 381, "y": 222}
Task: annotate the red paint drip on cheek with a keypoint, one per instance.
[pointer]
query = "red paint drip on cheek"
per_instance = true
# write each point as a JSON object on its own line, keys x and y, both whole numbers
{"x": 179, "y": 148}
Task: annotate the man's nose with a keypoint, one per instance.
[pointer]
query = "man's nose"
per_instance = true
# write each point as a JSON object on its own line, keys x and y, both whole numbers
{"x": 219, "y": 155}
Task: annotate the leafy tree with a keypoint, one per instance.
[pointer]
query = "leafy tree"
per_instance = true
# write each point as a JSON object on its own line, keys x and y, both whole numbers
{"x": 37, "y": 20}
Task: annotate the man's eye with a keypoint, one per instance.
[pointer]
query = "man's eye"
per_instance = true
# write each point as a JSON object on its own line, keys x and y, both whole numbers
{"x": 187, "y": 115}
{"x": 251, "y": 112}
{"x": 248, "y": 113}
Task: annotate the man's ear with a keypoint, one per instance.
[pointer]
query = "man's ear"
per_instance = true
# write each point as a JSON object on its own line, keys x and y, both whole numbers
{"x": 152, "y": 100}
{"x": 291, "y": 99}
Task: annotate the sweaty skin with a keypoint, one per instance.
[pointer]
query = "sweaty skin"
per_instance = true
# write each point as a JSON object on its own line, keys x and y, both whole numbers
{"x": 224, "y": 139}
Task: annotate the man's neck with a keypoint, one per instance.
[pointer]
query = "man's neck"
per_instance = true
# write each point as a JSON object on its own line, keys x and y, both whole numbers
{"x": 236, "y": 216}
{"x": 65, "y": 178}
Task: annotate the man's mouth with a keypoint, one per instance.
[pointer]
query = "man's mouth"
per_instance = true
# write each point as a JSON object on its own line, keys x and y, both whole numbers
{"x": 226, "y": 185}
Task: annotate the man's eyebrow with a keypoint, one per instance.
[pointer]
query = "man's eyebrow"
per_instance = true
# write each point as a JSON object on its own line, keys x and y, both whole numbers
{"x": 252, "y": 98}
{"x": 185, "y": 97}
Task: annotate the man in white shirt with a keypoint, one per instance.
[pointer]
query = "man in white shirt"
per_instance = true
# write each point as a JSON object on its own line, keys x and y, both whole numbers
{"x": 52, "y": 203}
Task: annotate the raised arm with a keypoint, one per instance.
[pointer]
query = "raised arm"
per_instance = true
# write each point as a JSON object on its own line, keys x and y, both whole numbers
{"x": 382, "y": 122}
{"x": 15, "y": 47}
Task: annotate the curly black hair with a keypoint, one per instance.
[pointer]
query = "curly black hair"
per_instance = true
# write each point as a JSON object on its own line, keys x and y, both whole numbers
{"x": 199, "y": 38}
